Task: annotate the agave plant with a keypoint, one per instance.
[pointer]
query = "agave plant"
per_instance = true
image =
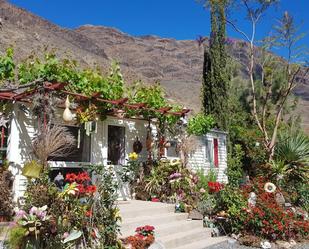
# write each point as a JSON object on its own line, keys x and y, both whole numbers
{"x": 292, "y": 156}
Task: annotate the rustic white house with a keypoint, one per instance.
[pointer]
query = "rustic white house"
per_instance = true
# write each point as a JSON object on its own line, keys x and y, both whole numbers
{"x": 110, "y": 143}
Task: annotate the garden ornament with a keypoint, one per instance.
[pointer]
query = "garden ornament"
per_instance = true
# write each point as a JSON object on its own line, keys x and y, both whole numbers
{"x": 208, "y": 222}
{"x": 59, "y": 181}
{"x": 67, "y": 114}
{"x": 215, "y": 232}
{"x": 265, "y": 245}
{"x": 137, "y": 146}
{"x": 280, "y": 199}
{"x": 270, "y": 187}
{"x": 252, "y": 199}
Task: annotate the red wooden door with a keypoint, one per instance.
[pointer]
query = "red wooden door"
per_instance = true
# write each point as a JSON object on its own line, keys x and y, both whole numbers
{"x": 216, "y": 153}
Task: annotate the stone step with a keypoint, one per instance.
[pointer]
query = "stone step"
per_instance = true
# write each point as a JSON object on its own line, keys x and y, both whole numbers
{"x": 185, "y": 237}
{"x": 129, "y": 225}
{"x": 140, "y": 209}
{"x": 174, "y": 230}
{"x": 202, "y": 244}
{"x": 176, "y": 226}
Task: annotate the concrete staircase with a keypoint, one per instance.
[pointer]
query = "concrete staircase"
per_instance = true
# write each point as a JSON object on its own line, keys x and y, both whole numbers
{"x": 172, "y": 229}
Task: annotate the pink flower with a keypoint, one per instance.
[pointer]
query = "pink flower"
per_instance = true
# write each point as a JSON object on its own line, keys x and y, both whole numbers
{"x": 65, "y": 235}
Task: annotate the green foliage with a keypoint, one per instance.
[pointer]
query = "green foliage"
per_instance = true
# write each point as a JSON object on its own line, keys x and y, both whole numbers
{"x": 49, "y": 68}
{"x": 76, "y": 205}
{"x": 200, "y": 124}
{"x": 206, "y": 205}
{"x": 215, "y": 77}
{"x": 17, "y": 237}
{"x": 204, "y": 178}
{"x": 293, "y": 152}
{"x": 232, "y": 201}
{"x": 151, "y": 95}
{"x": 235, "y": 163}
{"x": 170, "y": 180}
{"x": 7, "y": 66}
{"x": 303, "y": 195}
{"x": 40, "y": 192}
{"x": 130, "y": 172}
{"x": 88, "y": 82}
{"x": 104, "y": 207}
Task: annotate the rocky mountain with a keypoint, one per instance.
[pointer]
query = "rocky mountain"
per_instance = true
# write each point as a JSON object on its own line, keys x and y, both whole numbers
{"x": 177, "y": 64}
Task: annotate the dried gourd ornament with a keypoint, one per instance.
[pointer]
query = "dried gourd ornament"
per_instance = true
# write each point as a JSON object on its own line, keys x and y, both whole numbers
{"x": 67, "y": 114}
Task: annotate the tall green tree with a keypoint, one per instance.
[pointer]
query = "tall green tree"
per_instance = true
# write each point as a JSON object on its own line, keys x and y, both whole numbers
{"x": 215, "y": 76}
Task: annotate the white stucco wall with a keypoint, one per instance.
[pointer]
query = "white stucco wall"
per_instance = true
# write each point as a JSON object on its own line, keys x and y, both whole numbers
{"x": 23, "y": 128}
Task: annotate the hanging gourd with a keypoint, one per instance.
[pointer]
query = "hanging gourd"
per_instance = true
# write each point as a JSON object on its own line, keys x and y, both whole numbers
{"x": 137, "y": 146}
{"x": 67, "y": 114}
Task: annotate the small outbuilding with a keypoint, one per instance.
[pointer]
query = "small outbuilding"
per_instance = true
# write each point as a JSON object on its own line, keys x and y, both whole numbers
{"x": 107, "y": 142}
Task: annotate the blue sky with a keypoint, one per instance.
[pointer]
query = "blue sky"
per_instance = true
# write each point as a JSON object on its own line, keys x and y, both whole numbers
{"x": 180, "y": 19}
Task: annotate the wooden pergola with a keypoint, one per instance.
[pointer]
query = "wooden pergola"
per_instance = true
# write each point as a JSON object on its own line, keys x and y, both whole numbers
{"x": 25, "y": 96}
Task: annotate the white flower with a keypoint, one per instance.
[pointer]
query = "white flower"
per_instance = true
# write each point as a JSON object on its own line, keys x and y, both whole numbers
{"x": 270, "y": 187}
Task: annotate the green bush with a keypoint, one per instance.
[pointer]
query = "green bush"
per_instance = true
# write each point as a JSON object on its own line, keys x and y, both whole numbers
{"x": 234, "y": 168}
{"x": 17, "y": 237}
{"x": 231, "y": 200}
{"x": 204, "y": 179}
{"x": 200, "y": 124}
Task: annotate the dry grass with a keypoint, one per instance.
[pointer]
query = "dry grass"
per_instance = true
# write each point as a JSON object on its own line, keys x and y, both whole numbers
{"x": 55, "y": 141}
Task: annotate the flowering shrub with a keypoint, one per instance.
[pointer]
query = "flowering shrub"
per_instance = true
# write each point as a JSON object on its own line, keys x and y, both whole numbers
{"x": 79, "y": 184}
{"x": 143, "y": 238}
{"x": 171, "y": 181}
{"x": 33, "y": 221}
{"x": 267, "y": 218}
{"x": 215, "y": 186}
{"x": 81, "y": 215}
{"x": 145, "y": 230}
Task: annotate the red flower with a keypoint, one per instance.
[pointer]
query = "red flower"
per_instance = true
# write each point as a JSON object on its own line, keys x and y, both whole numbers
{"x": 81, "y": 188}
{"x": 91, "y": 189}
{"x": 83, "y": 177}
{"x": 88, "y": 213}
{"x": 70, "y": 177}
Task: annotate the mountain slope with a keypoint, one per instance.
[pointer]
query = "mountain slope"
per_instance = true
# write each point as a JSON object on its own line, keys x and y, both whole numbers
{"x": 177, "y": 64}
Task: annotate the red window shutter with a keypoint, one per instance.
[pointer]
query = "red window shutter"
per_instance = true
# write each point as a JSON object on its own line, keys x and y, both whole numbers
{"x": 216, "y": 153}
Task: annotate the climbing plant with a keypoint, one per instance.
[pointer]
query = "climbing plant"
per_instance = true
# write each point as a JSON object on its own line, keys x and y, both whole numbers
{"x": 86, "y": 81}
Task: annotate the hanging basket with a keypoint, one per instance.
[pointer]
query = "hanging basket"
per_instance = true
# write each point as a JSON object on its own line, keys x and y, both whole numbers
{"x": 32, "y": 169}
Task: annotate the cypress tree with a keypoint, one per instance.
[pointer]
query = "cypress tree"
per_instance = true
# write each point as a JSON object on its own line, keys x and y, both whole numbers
{"x": 215, "y": 79}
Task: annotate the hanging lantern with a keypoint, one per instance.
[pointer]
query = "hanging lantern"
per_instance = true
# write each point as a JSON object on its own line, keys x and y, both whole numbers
{"x": 67, "y": 114}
